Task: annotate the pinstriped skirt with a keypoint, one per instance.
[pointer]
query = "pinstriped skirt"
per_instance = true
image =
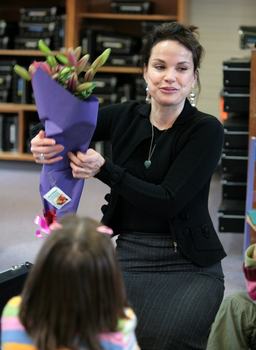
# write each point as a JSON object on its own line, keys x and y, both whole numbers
{"x": 175, "y": 300}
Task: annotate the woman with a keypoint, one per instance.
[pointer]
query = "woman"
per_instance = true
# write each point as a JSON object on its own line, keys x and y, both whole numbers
{"x": 73, "y": 296}
{"x": 164, "y": 154}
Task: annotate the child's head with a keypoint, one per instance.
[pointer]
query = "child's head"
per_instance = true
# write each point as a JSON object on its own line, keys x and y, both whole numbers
{"x": 75, "y": 288}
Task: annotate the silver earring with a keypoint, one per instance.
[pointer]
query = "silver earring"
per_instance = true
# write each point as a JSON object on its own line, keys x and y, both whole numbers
{"x": 191, "y": 99}
{"x": 147, "y": 96}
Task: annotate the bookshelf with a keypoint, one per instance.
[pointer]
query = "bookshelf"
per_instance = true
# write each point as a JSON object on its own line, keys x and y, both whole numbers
{"x": 80, "y": 13}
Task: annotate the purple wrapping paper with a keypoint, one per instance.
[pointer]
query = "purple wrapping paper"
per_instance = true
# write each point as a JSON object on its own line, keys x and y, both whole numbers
{"x": 71, "y": 122}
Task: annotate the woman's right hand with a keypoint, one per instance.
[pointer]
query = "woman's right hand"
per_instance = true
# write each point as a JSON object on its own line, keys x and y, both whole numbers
{"x": 43, "y": 149}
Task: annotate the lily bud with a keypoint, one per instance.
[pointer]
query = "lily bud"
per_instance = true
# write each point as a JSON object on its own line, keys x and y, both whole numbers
{"x": 72, "y": 83}
{"x": 100, "y": 60}
{"x": 89, "y": 75}
{"x": 63, "y": 59}
{"x": 72, "y": 57}
{"x": 55, "y": 76}
{"x": 84, "y": 86}
{"x": 81, "y": 64}
{"x": 51, "y": 60}
{"x": 78, "y": 52}
{"x": 44, "y": 48}
{"x": 22, "y": 72}
{"x": 65, "y": 70}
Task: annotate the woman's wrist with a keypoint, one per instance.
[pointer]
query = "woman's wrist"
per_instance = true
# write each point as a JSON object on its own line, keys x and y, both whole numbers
{"x": 99, "y": 170}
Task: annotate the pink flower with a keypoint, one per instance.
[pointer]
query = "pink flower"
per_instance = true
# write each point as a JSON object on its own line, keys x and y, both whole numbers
{"x": 65, "y": 69}
{"x": 43, "y": 65}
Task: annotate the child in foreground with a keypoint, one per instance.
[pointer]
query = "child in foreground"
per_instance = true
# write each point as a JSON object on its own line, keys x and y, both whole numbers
{"x": 235, "y": 323}
{"x": 73, "y": 297}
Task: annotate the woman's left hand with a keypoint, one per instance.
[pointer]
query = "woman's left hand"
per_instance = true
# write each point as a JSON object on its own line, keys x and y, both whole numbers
{"x": 86, "y": 165}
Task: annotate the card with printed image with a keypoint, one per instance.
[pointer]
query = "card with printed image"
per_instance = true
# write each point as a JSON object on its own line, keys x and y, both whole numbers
{"x": 57, "y": 197}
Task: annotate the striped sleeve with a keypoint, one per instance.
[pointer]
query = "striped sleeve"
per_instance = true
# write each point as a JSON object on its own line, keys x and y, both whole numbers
{"x": 124, "y": 338}
{"x": 13, "y": 334}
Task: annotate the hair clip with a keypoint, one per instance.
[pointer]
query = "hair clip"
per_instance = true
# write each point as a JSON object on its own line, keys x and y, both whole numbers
{"x": 105, "y": 229}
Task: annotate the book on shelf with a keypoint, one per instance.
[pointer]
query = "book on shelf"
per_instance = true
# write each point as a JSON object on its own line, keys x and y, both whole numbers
{"x": 1, "y": 132}
{"x": 9, "y": 134}
{"x": 22, "y": 90}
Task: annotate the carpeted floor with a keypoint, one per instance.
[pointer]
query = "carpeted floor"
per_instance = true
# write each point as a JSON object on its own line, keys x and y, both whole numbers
{"x": 20, "y": 203}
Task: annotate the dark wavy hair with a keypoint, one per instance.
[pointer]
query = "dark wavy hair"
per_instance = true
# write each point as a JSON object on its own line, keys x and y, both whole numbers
{"x": 75, "y": 289}
{"x": 185, "y": 35}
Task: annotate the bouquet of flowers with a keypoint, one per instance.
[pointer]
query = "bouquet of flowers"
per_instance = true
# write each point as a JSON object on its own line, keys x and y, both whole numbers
{"x": 69, "y": 113}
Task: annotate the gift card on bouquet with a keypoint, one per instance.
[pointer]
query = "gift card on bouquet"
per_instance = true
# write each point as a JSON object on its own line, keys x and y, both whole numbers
{"x": 57, "y": 197}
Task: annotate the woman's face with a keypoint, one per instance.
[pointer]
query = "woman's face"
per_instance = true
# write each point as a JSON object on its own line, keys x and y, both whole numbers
{"x": 170, "y": 73}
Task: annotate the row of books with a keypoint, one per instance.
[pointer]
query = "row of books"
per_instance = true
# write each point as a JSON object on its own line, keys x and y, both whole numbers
{"x": 8, "y": 31}
{"x": 53, "y": 34}
{"x": 6, "y": 81}
{"x": 47, "y": 23}
{"x": 116, "y": 89}
{"x": 9, "y": 132}
{"x": 9, "y": 125}
{"x": 110, "y": 88}
{"x": 12, "y": 87}
{"x": 124, "y": 48}
{"x": 138, "y": 7}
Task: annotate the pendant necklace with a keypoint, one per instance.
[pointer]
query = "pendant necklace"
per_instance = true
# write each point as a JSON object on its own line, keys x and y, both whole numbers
{"x": 147, "y": 162}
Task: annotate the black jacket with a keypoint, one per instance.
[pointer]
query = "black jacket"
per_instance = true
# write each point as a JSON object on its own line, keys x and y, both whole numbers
{"x": 185, "y": 162}
{"x": 178, "y": 184}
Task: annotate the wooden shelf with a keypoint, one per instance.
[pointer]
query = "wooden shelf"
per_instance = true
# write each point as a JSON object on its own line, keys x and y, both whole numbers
{"x": 113, "y": 16}
{"x": 104, "y": 69}
{"x": 29, "y": 53}
{"x": 15, "y": 108}
{"x": 128, "y": 70}
{"x": 77, "y": 11}
{"x": 17, "y": 156}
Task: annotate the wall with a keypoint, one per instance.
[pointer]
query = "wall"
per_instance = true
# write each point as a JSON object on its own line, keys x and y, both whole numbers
{"x": 218, "y": 23}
